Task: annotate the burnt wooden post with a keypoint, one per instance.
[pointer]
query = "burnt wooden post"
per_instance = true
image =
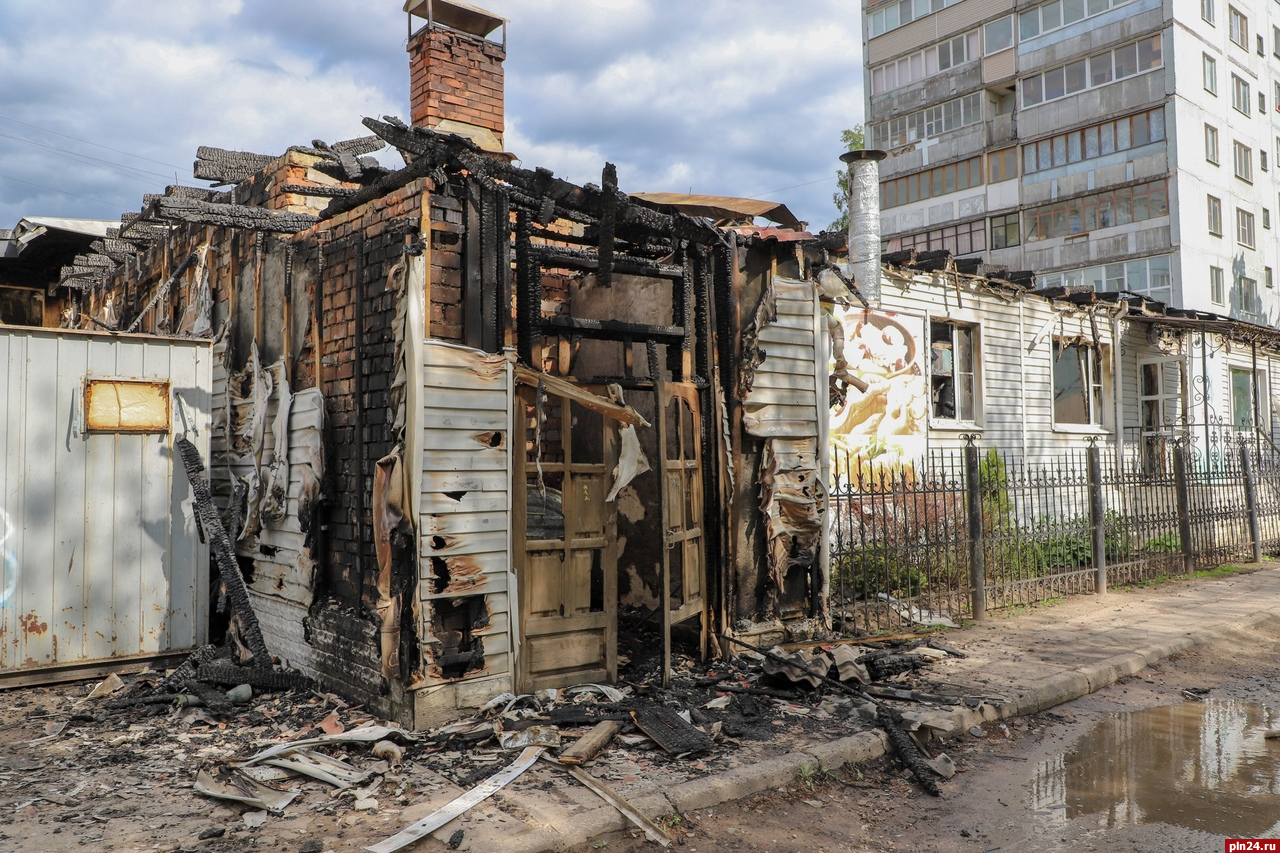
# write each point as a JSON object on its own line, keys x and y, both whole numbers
{"x": 1098, "y": 517}
{"x": 1251, "y": 501}
{"x": 973, "y": 501}
{"x": 1184, "y": 504}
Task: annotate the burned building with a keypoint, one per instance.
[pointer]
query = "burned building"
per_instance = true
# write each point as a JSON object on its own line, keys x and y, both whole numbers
{"x": 472, "y": 422}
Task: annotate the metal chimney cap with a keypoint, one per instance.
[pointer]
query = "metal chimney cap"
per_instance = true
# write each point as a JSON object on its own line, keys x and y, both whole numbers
{"x": 864, "y": 154}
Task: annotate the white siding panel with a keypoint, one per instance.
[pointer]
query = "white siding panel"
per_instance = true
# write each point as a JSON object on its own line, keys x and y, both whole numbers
{"x": 96, "y": 533}
{"x": 465, "y": 500}
{"x": 783, "y": 402}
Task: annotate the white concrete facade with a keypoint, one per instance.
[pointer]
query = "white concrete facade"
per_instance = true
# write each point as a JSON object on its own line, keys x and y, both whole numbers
{"x": 1115, "y": 101}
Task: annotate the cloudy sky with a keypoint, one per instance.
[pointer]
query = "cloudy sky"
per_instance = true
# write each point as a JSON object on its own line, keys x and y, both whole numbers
{"x": 103, "y": 100}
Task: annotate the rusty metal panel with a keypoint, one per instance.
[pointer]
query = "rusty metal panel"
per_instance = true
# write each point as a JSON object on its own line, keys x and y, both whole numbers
{"x": 100, "y": 552}
{"x": 465, "y": 502}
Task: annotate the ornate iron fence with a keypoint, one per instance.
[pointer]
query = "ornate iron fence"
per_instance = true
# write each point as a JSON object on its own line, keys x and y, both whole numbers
{"x": 957, "y": 533}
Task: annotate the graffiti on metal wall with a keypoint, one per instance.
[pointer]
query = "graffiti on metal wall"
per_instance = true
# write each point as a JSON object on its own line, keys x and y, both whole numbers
{"x": 880, "y": 409}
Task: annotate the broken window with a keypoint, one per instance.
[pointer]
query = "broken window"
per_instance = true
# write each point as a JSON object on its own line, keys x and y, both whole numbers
{"x": 21, "y": 307}
{"x": 952, "y": 373}
{"x": 1078, "y": 392}
{"x": 115, "y": 405}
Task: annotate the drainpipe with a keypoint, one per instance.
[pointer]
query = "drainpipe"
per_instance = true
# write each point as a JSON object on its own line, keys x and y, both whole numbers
{"x": 864, "y": 221}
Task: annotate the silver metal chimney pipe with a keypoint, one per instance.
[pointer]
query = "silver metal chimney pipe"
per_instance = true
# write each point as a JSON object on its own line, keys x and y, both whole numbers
{"x": 864, "y": 221}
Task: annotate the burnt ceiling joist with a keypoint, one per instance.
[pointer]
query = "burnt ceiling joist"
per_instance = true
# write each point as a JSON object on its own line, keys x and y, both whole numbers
{"x": 324, "y": 192}
{"x": 230, "y": 215}
{"x": 136, "y": 233}
{"x": 228, "y": 167}
{"x": 116, "y": 250}
{"x": 429, "y": 151}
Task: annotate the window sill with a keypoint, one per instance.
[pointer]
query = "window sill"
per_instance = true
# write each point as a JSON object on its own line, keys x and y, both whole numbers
{"x": 955, "y": 426}
{"x": 1082, "y": 429}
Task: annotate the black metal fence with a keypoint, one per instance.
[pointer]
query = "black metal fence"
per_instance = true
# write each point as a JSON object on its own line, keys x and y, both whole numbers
{"x": 959, "y": 533}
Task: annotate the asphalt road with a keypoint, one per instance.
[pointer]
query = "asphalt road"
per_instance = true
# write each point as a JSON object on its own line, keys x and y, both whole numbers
{"x": 1171, "y": 759}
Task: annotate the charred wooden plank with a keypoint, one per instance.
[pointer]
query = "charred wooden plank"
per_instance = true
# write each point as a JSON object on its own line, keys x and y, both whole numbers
{"x": 611, "y": 330}
{"x": 116, "y": 250}
{"x": 669, "y": 730}
{"x": 592, "y": 743}
{"x": 315, "y": 190}
{"x": 588, "y": 261}
{"x": 137, "y": 234}
{"x": 228, "y": 167}
{"x": 233, "y": 216}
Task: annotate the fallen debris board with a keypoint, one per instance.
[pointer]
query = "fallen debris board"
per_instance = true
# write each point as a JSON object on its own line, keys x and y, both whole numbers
{"x": 670, "y": 731}
{"x": 651, "y": 830}
{"x": 239, "y": 787}
{"x": 438, "y": 818}
{"x": 589, "y": 745}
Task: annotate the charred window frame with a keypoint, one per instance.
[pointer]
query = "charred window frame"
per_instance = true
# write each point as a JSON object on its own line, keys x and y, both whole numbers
{"x": 1079, "y": 385}
{"x": 953, "y": 371}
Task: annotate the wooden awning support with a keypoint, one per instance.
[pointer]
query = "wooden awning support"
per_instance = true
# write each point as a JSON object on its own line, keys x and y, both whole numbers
{"x": 564, "y": 388}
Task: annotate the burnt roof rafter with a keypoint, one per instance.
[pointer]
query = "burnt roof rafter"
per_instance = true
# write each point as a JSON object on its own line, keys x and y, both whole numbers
{"x": 228, "y": 215}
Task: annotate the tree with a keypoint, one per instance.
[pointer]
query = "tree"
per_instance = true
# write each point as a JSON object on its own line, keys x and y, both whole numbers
{"x": 852, "y": 140}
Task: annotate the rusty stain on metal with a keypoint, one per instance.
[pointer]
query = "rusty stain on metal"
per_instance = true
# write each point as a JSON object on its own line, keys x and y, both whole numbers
{"x": 31, "y": 624}
{"x": 126, "y": 405}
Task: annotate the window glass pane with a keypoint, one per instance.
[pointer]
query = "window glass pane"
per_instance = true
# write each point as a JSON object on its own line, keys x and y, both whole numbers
{"x": 1029, "y": 24}
{"x": 1054, "y": 84}
{"x": 1090, "y": 142}
{"x": 1050, "y": 15}
{"x": 1097, "y": 7}
{"x": 1100, "y": 69}
{"x": 1076, "y": 77}
{"x": 1070, "y": 403}
{"x": 1072, "y": 11}
{"x": 1075, "y": 147}
{"x": 1149, "y": 53}
{"x": 1029, "y": 160}
{"x": 1126, "y": 59}
{"x": 1044, "y": 147}
{"x": 1124, "y": 139}
{"x": 1059, "y": 151}
{"x": 999, "y": 34}
{"x": 1141, "y": 133}
{"x": 1157, "y": 124}
{"x": 1032, "y": 91}
{"x": 1108, "y": 135}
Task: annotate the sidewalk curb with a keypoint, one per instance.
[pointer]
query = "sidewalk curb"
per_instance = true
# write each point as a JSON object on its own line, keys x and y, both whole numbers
{"x": 739, "y": 782}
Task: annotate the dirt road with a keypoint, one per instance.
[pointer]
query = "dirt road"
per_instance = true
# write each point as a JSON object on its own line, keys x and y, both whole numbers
{"x": 1073, "y": 779}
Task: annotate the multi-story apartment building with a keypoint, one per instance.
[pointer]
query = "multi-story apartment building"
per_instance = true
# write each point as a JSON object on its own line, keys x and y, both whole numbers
{"x": 1129, "y": 144}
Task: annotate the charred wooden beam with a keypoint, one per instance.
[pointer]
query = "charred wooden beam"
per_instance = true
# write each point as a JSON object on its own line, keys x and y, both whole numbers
{"x": 609, "y": 205}
{"x": 611, "y": 330}
{"x": 899, "y": 259}
{"x": 588, "y": 261}
{"x": 116, "y": 250}
{"x": 197, "y": 193}
{"x": 458, "y": 153}
{"x": 325, "y": 192}
{"x": 137, "y": 234}
{"x": 94, "y": 260}
{"x": 228, "y": 167}
{"x": 233, "y": 216}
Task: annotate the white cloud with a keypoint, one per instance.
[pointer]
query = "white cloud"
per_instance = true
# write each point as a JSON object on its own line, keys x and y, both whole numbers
{"x": 722, "y": 96}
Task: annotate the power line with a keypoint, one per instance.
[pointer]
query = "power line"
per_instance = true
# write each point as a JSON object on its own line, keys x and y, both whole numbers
{"x": 87, "y": 142}
{"x": 112, "y": 204}
{"x": 113, "y": 167}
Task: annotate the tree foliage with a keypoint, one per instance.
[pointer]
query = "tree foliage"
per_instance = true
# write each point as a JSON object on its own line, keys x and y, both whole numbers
{"x": 852, "y": 139}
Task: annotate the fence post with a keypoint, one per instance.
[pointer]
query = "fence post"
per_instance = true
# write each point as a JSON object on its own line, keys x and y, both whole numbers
{"x": 1251, "y": 501}
{"x": 1184, "y": 505}
{"x": 977, "y": 555}
{"x": 1097, "y": 516}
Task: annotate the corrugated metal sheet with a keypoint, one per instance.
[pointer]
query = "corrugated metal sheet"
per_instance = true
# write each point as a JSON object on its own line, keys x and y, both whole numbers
{"x": 99, "y": 542}
{"x": 465, "y": 507}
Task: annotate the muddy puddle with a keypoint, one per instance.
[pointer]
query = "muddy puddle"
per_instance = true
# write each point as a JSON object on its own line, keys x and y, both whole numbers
{"x": 1203, "y": 766}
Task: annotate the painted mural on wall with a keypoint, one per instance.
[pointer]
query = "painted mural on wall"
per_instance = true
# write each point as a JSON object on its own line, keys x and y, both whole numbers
{"x": 879, "y": 413}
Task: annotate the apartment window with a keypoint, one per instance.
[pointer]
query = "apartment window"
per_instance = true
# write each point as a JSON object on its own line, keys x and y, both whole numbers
{"x": 1262, "y": 160}
{"x": 1268, "y": 277}
{"x": 1077, "y": 384}
{"x": 1094, "y": 141}
{"x": 1244, "y": 299}
{"x": 1002, "y": 165}
{"x": 1060, "y": 13}
{"x": 925, "y": 63}
{"x": 963, "y": 239}
{"x": 1239, "y": 27}
{"x": 1244, "y": 228}
{"x": 904, "y": 12}
{"x": 1262, "y": 47}
{"x": 1216, "y": 289}
{"x": 1004, "y": 231}
{"x": 1243, "y": 162}
{"x": 932, "y": 183}
{"x": 1206, "y": 10}
{"x": 997, "y": 36}
{"x": 1215, "y": 216}
{"x": 1239, "y": 94}
{"x": 1262, "y": 103}
{"x": 1146, "y": 276}
{"x": 1210, "y": 67}
{"x": 952, "y": 370}
{"x": 1275, "y": 42}
{"x": 1211, "y": 144}
{"x": 1277, "y": 97}
{"x": 1099, "y": 210}
{"x": 927, "y": 123}
{"x": 1097, "y": 70}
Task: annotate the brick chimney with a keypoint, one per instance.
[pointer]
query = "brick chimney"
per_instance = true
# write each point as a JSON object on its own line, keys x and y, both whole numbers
{"x": 455, "y": 70}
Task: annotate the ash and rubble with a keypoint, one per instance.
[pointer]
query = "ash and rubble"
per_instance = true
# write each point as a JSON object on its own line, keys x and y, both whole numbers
{"x": 65, "y": 741}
